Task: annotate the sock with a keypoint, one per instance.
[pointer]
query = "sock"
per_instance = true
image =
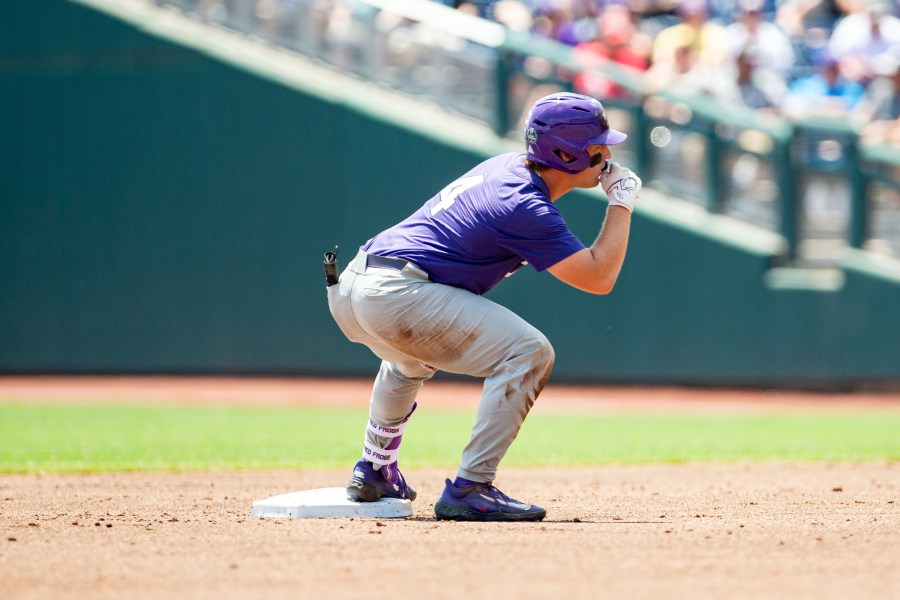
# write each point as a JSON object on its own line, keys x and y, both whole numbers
{"x": 388, "y": 470}
{"x": 461, "y": 482}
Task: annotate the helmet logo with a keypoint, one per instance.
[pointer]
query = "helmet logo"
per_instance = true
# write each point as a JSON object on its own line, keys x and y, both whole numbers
{"x": 531, "y": 135}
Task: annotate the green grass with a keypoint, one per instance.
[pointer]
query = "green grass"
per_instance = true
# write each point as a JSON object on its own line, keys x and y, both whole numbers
{"x": 49, "y": 438}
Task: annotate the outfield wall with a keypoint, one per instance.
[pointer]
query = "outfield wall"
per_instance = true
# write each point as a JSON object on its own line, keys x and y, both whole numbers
{"x": 166, "y": 195}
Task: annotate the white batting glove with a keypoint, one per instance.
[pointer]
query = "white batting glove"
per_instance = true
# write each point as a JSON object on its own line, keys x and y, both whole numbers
{"x": 621, "y": 185}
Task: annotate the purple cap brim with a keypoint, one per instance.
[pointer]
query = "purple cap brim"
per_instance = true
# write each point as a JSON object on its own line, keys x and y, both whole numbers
{"x": 613, "y": 137}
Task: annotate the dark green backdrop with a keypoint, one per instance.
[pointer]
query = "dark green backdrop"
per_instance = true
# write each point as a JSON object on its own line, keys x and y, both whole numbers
{"x": 165, "y": 212}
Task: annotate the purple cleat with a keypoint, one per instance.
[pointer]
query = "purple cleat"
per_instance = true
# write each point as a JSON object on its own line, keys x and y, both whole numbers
{"x": 369, "y": 485}
{"x": 483, "y": 502}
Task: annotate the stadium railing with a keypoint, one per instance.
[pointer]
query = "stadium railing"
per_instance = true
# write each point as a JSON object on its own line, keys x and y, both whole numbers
{"x": 810, "y": 180}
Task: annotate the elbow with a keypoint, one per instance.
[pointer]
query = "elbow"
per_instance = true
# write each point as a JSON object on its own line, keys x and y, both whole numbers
{"x": 601, "y": 287}
{"x": 605, "y": 283}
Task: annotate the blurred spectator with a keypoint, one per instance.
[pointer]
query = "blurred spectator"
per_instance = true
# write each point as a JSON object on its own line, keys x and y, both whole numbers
{"x": 213, "y": 10}
{"x": 881, "y": 106}
{"x": 826, "y": 92}
{"x": 798, "y": 17}
{"x": 727, "y": 11}
{"x": 685, "y": 55}
{"x": 704, "y": 39}
{"x": 864, "y": 38}
{"x": 808, "y": 25}
{"x": 773, "y": 50}
{"x": 683, "y": 74}
{"x": 651, "y": 8}
{"x": 267, "y": 15}
{"x": 617, "y": 40}
{"x": 469, "y": 8}
{"x": 477, "y": 8}
{"x": 345, "y": 36}
{"x": 513, "y": 14}
{"x": 568, "y": 21}
{"x": 745, "y": 84}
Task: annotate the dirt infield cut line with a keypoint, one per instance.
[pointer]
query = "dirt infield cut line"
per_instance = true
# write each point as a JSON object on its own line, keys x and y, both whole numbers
{"x": 436, "y": 394}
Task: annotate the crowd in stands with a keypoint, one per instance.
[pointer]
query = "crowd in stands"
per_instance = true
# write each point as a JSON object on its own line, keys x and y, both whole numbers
{"x": 798, "y": 58}
{"x": 791, "y": 58}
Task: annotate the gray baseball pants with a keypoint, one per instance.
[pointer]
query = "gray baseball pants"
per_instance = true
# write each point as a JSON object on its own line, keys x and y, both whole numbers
{"x": 416, "y": 327}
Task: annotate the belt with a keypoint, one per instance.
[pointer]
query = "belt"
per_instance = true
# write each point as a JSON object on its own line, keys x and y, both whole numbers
{"x": 386, "y": 262}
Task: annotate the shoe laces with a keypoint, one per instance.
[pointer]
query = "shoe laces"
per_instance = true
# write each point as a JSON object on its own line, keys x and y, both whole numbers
{"x": 498, "y": 496}
{"x": 391, "y": 473}
{"x": 495, "y": 493}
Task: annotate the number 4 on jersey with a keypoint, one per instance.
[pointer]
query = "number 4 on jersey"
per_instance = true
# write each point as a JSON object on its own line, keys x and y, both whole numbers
{"x": 452, "y": 191}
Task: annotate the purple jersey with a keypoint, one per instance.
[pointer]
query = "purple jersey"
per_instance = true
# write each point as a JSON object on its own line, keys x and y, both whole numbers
{"x": 482, "y": 227}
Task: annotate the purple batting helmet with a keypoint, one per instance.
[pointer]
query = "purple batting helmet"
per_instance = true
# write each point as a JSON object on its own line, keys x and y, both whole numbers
{"x": 569, "y": 123}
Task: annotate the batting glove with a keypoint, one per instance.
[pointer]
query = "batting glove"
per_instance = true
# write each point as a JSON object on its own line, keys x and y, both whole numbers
{"x": 621, "y": 185}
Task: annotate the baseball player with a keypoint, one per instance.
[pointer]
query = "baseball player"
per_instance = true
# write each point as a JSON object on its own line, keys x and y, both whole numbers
{"x": 414, "y": 295}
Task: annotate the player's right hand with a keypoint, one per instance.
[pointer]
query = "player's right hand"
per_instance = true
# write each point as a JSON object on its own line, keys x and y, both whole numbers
{"x": 621, "y": 185}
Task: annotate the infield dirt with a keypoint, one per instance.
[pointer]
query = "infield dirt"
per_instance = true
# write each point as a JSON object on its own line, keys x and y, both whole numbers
{"x": 807, "y": 530}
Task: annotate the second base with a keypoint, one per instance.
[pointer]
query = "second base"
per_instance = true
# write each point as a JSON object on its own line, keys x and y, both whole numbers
{"x": 328, "y": 502}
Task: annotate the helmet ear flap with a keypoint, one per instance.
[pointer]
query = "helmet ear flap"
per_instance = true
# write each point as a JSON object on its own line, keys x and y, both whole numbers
{"x": 564, "y": 156}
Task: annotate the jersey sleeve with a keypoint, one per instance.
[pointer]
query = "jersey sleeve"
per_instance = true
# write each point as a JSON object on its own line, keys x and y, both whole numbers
{"x": 537, "y": 232}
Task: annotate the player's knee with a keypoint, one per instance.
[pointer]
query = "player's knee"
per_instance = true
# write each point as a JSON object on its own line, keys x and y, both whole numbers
{"x": 412, "y": 371}
{"x": 541, "y": 358}
{"x": 548, "y": 353}
{"x": 541, "y": 352}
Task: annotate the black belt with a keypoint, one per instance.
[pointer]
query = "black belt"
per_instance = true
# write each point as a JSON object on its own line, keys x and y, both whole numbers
{"x": 385, "y": 262}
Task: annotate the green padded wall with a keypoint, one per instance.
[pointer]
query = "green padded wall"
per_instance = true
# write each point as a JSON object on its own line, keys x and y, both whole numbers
{"x": 165, "y": 211}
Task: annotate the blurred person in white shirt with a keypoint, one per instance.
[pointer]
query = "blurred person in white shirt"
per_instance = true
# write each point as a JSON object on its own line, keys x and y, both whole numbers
{"x": 773, "y": 50}
{"x": 864, "y": 38}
